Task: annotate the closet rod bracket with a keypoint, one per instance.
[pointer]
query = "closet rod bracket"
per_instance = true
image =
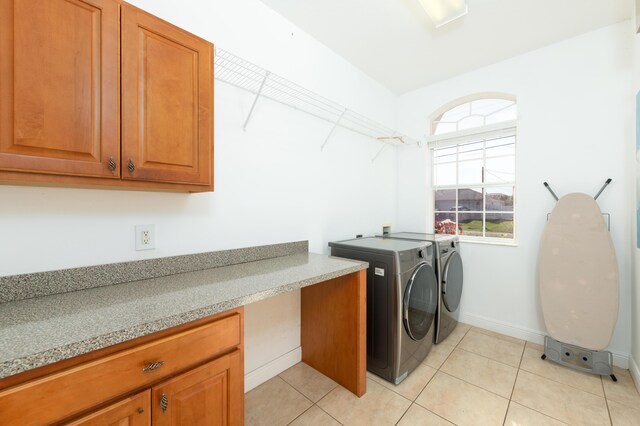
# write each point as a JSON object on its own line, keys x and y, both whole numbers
{"x": 335, "y": 124}
{"x": 264, "y": 80}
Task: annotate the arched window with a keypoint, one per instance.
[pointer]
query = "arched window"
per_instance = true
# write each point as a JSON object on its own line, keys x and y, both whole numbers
{"x": 473, "y": 147}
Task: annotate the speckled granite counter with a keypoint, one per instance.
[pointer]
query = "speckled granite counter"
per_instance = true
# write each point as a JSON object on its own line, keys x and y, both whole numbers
{"x": 42, "y": 330}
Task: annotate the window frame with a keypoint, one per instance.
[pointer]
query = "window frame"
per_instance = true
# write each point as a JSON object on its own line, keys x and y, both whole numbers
{"x": 477, "y": 134}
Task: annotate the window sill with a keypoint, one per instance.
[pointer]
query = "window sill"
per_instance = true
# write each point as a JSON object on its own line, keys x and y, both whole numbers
{"x": 511, "y": 243}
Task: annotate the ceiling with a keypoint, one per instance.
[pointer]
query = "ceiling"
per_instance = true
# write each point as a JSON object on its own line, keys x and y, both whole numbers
{"x": 394, "y": 42}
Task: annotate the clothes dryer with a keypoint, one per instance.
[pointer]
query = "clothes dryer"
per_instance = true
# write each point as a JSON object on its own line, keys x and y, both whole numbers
{"x": 449, "y": 271}
{"x": 402, "y": 298}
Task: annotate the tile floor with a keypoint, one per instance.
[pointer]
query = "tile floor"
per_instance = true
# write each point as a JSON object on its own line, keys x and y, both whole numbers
{"x": 475, "y": 377}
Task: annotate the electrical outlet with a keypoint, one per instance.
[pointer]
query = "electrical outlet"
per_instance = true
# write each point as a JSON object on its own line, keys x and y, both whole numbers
{"x": 145, "y": 237}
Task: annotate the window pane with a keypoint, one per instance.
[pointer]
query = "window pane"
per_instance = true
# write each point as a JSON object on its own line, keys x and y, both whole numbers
{"x": 489, "y": 106}
{"x": 499, "y": 199}
{"x": 445, "y": 223}
{"x": 445, "y": 174}
{"x": 444, "y": 155}
{"x": 471, "y": 224}
{"x": 470, "y": 172}
{"x": 442, "y": 127}
{"x": 500, "y": 170}
{"x": 471, "y": 151}
{"x": 507, "y": 114}
{"x": 499, "y": 225}
{"x": 456, "y": 113}
{"x": 501, "y": 146}
{"x": 445, "y": 199}
{"x": 470, "y": 122}
{"x": 468, "y": 200}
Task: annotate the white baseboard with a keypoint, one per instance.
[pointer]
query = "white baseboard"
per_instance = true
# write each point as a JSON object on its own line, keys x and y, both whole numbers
{"x": 262, "y": 374}
{"x": 635, "y": 372}
{"x": 535, "y": 336}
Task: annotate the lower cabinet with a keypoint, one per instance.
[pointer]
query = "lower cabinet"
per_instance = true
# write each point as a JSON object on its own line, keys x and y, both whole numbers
{"x": 205, "y": 396}
{"x": 208, "y": 395}
{"x": 132, "y": 411}
{"x": 192, "y": 375}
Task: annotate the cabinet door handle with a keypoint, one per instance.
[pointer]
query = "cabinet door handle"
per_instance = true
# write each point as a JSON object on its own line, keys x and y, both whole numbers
{"x": 112, "y": 165}
{"x": 140, "y": 410}
{"x": 164, "y": 402}
{"x": 131, "y": 166}
{"x": 153, "y": 365}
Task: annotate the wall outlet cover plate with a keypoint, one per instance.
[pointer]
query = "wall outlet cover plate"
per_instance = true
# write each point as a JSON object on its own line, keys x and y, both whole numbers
{"x": 145, "y": 237}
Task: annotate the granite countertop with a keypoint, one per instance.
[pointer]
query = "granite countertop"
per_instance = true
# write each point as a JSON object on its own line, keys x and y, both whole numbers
{"x": 39, "y": 331}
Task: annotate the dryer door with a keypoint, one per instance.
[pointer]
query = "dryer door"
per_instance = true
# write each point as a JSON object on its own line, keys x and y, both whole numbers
{"x": 452, "y": 282}
{"x": 420, "y": 301}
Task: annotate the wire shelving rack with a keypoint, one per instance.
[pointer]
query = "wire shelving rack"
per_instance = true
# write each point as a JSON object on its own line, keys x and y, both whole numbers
{"x": 248, "y": 76}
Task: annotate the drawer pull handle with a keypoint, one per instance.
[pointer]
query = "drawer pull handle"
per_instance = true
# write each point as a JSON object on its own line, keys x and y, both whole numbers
{"x": 154, "y": 365}
{"x": 164, "y": 402}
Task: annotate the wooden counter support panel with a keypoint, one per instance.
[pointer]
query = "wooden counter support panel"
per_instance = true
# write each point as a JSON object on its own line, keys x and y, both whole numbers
{"x": 333, "y": 332}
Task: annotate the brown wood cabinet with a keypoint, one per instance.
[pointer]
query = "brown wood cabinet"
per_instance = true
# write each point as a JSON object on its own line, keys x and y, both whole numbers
{"x": 132, "y": 411}
{"x": 196, "y": 368}
{"x": 166, "y": 102}
{"x": 208, "y": 395}
{"x": 100, "y": 93}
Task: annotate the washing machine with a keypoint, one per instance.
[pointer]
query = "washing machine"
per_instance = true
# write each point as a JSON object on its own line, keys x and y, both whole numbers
{"x": 449, "y": 271}
{"x": 402, "y": 299}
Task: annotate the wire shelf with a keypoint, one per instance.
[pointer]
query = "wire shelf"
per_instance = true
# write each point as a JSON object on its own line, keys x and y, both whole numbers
{"x": 243, "y": 74}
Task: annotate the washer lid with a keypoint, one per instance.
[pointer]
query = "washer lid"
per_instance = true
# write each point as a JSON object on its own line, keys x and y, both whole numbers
{"x": 420, "y": 302}
{"x": 452, "y": 278}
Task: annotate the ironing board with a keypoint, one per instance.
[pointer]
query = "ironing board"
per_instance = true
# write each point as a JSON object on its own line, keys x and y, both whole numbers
{"x": 578, "y": 274}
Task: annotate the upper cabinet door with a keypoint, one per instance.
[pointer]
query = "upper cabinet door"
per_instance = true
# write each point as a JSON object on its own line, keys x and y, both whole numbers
{"x": 167, "y": 101}
{"x": 59, "y": 79}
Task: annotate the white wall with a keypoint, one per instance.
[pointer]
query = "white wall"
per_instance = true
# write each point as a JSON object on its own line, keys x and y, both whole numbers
{"x": 272, "y": 182}
{"x": 574, "y": 126}
{"x": 634, "y": 362}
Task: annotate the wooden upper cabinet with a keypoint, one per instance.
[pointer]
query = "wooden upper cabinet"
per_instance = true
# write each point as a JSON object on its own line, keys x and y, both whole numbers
{"x": 167, "y": 102}
{"x": 59, "y": 79}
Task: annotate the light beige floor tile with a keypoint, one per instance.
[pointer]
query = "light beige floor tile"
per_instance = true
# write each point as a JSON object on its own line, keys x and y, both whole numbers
{"x": 535, "y": 346}
{"x": 371, "y": 376}
{"x": 274, "y": 403}
{"x": 309, "y": 382}
{"x": 560, "y": 401}
{"x": 532, "y": 363}
{"x": 457, "y": 334}
{"x": 623, "y": 415}
{"x": 499, "y": 350}
{"x": 418, "y": 416}
{"x": 314, "y": 416}
{"x": 519, "y": 415}
{"x": 621, "y": 372}
{"x": 379, "y": 406}
{"x": 411, "y": 387}
{"x": 438, "y": 354}
{"x": 491, "y": 375}
{"x": 461, "y": 402}
{"x": 498, "y": 335}
{"x": 623, "y": 391}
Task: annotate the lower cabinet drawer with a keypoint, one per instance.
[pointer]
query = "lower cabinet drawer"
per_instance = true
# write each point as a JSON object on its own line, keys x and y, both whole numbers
{"x": 69, "y": 392}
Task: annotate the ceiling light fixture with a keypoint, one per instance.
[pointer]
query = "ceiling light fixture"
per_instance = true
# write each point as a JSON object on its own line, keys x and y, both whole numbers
{"x": 442, "y": 12}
